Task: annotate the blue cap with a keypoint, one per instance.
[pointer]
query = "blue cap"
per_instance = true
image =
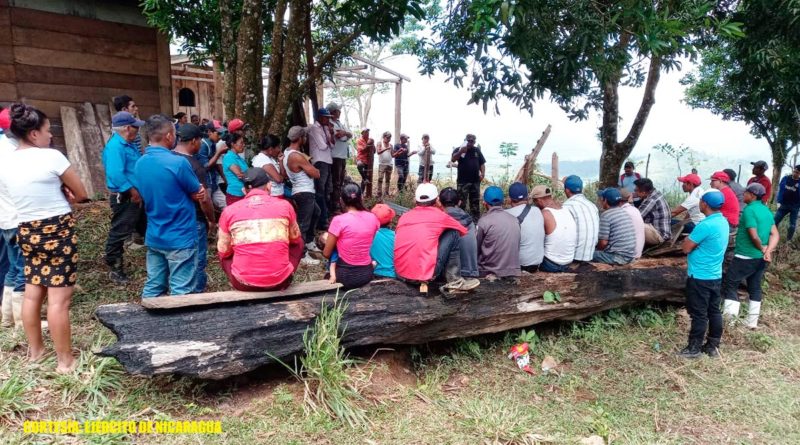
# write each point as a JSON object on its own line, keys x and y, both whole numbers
{"x": 518, "y": 191}
{"x": 611, "y": 195}
{"x": 123, "y": 119}
{"x": 714, "y": 198}
{"x": 493, "y": 195}
{"x": 323, "y": 112}
{"x": 574, "y": 184}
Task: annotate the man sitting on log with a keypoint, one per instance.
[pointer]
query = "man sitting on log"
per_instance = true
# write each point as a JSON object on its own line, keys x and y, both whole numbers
{"x": 259, "y": 242}
{"x": 636, "y": 218}
{"x": 427, "y": 243}
{"x": 560, "y": 231}
{"x": 655, "y": 212}
{"x": 617, "y": 238}
{"x": 498, "y": 237}
{"x": 586, "y": 216}
{"x": 691, "y": 205}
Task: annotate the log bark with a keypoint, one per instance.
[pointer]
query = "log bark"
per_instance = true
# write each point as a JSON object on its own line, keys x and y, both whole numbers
{"x": 215, "y": 342}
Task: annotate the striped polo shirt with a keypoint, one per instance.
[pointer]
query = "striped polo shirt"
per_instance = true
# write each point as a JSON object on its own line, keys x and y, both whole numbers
{"x": 617, "y": 228}
{"x": 587, "y": 218}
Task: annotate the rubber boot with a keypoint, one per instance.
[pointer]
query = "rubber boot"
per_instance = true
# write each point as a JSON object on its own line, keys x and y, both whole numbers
{"x": 753, "y": 312}
{"x": 8, "y": 314}
{"x": 117, "y": 273}
{"x": 711, "y": 348}
{"x": 730, "y": 311}
{"x": 16, "y": 306}
{"x": 692, "y": 350}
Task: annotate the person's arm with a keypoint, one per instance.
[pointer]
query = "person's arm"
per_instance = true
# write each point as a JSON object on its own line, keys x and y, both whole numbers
{"x": 330, "y": 245}
{"x": 71, "y": 180}
{"x": 236, "y": 170}
{"x": 752, "y": 232}
{"x": 774, "y": 237}
{"x": 678, "y": 210}
{"x": 603, "y": 233}
{"x": 688, "y": 245}
{"x": 310, "y": 170}
{"x": 115, "y": 166}
{"x": 273, "y": 173}
{"x": 457, "y": 153}
{"x": 214, "y": 159}
{"x": 479, "y": 233}
{"x": 208, "y": 210}
{"x": 482, "y": 171}
{"x": 549, "y": 222}
{"x": 482, "y": 161}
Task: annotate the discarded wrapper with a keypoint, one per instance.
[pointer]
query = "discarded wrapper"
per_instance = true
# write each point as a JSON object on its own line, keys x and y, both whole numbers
{"x": 521, "y": 355}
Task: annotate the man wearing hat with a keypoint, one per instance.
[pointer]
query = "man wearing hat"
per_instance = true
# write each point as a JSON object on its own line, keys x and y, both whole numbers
{"x": 365, "y": 147}
{"x": 531, "y": 227}
{"x": 730, "y": 209}
{"x": 339, "y": 152}
{"x": 756, "y": 239}
{"x": 425, "y": 153}
{"x": 498, "y": 237}
{"x": 189, "y": 137}
{"x": 259, "y": 241}
{"x": 616, "y": 238}
{"x": 320, "y": 144}
{"x": 236, "y": 126}
{"x": 789, "y": 200}
{"x": 705, "y": 247}
{"x": 400, "y": 153}
{"x": 737, "y": 188}
{"x": 587, "y": 218}
{"x": 208, "y": 156}
{"x": 471, "y": 169}
{"x": 119, "y": 160}
{"x": 691, "y": 205}
{"x": 560, "y": 231}
{"x": 759, "y": 168}
{"x": 427, "y": 243}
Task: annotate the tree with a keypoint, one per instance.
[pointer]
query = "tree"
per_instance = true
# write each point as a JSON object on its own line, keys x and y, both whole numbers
{"x": 578, "y": 52}
{"x": 676, "y": 153}
{"x": 508, "y": 150}
{"x": 756, "y": 78}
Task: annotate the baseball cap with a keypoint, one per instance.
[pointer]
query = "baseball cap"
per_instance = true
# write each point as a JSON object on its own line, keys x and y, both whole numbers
{"x": 426, "y": 192}
{"x": 762, "y": 164}
{"x": 493, "y": 195}
{"x": 540, "y": 191}
{"x": 714, "y": 198}
{"x": 756, "y": 189}
{"x": 731, "y": 174}
{"x": 796, "y": 167}
{"x": 333, "y": 106}
{"x": 518, "y": 191}
{"x": 123, "y": 119}
{"x": 691, "y": 178}
{"x": 448, "y": 197}
{"x": 384, "y": 213}
{"x": 721, "y": 176}
{"x": 573, "y": 183}
{"x": 611, "y": 195}
{"x": 323, "y": 112}
{"x": 236, "y": 125}
{"x": 629, "y": 164}
{"x": 187, "y": 132}
{"x": 296, "y": 133}
{"x": 5, "y": 119}
{"x": 255, "y": 177}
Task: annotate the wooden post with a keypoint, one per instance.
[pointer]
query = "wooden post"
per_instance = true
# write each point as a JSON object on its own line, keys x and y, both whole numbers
{"x": 398, "y": 100}
{"x": 528, "y": 166}
{"x": 76, "y": 152}
{"x": 647, "y": 167}
{"x": 93, "y": 145}
{"x": 739, "y": 175}
{"x": 104, "y": 121}
{"x": 554, "y": 170}
{"x": 164, "y": 74}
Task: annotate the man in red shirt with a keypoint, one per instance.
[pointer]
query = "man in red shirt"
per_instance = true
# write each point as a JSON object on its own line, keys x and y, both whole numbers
{"x": 427, "y": 243}
{"x": 259, "y": 241}
{"x": 365, "y": 147}
{"x": 759, "y": 168}
{"x": 730, "y": 209}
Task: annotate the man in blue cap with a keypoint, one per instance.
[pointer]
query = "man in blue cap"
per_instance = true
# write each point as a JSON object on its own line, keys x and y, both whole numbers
{"x": 616, "y": 237}
{"x": 586, "y": 217}
{"x": 498, "y": 238}
{"x": 320, "y": 144}
{"x": 119, "y": 160}
{"x": 531, "y": 227}
{"x": 705, "y": 247}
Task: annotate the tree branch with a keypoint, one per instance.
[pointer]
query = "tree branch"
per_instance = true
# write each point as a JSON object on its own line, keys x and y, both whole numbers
{"x": 648, "y": 100}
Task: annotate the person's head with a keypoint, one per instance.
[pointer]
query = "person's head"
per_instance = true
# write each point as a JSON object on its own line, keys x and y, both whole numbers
{"x": 403, "y": 138}
{"x": 542, "y": 196}
{"x": 448, "y": 197}
{"x": 189, "y": 137}
{"x": 629, "y": 168}
{"x": 711, "y": 202}
{"x": 573, "y": 185}
{"x": 365, "y": 133}
{"x": 759, "y": 167}
{"x": 690, "y": 182}
{"x": 643, "y": 187}
{"x": 204, "y": 121}
{"x": 236, "y": 126}
{"x": 518, "y": 193}
{"x": 610, "y": 197}
{"x": 160, "y": 131}
{"x": 426, "y": 138}
{"x": 387, "y": 136}
{"x": 270, "y": 145}
{"x": 470, "y": 138}
{"x": 181, "y": 118}
{"x": 426, "y": 195}
{"x": 796, "y": 172}
{"x": 126, "y": 125}
{"x": 351, "y": 196}
{"x": 626, "y": 194}
{"x": 335, "y": 110}
{"x": 754, "y": 192}
{"x": 195, "y": 119}
{"x": 235, "y": 142}
{"x": 256, "y": 178}
{"x": 384, "y": 213}
{"x": 493, "y": 196}
{"x": 323, "y": 116}
{"x": 213, "y": 132}
{"x": 720, "y": 180}
{"x": 126, "y": 103}
{"x": 731, "y": 174}
{"x": 296, "y": 135}
{"x": 30, "y": 125}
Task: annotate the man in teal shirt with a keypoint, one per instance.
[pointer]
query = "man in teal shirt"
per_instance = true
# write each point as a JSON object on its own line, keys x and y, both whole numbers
{"x": 705, "y": 247}
{"x": 756, "y": 239}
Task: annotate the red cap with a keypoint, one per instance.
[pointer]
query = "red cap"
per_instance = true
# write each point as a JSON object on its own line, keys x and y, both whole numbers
{"x": 384, "y": 213}
{"x": 691, "y": 178}
{"x": 235, "y": 125}
{"x": 5, "y": 119}
{"x": 721, "y": 176}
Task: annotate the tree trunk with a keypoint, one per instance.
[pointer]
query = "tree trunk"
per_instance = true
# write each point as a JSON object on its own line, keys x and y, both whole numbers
{"x": 228, "y": 41}
{"x": 309, "y": 46}
{"x": 276, "y": 63}
{"x": 216, "y": 342}
{"x": 290, "y": 68}
{"x": 780, "y": 150}
{"x": 249, "y": 80}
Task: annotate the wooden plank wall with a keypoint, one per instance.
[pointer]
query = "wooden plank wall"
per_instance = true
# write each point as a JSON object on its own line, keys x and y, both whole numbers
{"x": 205, "y": 99}
{"x": 52, "y": 60}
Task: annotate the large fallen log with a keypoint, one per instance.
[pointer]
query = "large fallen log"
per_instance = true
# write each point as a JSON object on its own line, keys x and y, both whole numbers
{"x": 223, "y": 340}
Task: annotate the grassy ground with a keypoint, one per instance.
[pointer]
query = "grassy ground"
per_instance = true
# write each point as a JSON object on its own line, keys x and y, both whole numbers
{"x": 616, "y": 378}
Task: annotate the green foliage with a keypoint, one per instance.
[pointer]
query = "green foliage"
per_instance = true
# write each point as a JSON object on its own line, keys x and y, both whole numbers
{"x": 677, "y": 153}
{"x": 508, "y": 150}
{"x": 551, "y": 297}
{"x": 760, "y": 341}
{"x": 13, "y": 403}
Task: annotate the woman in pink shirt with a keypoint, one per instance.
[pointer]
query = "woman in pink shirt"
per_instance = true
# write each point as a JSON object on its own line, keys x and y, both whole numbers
{"x": 351, "y": 235}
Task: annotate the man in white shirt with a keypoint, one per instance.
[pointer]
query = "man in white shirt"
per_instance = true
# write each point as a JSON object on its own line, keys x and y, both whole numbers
{"x": 339, "y": 153}
{"x": 320, "y": 143}
{"x": 691, "y": 205}
{"x": 385, "y": 165}
{"x": 531, "y": 224}
{"x": 586, "y": 217}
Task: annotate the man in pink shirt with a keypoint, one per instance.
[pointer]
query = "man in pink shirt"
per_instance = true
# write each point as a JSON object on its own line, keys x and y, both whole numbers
{"x": 636, "y": 218}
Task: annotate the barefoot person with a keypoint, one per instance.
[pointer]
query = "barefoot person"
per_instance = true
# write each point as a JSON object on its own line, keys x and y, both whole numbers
{"x": 42, "y": 183}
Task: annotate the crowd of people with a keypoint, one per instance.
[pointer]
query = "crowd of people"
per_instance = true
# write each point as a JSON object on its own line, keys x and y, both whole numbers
{"x": 283, "y": 208}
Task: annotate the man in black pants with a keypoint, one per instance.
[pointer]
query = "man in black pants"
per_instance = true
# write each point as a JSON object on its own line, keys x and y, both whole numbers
{"x": 471, "y": 168}
{"x": 127, "y": 215}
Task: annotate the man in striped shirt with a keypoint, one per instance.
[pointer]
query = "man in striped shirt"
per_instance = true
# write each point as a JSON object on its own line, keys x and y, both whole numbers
{"x": 617, "y": 239}
{"x": 586, "y": 217}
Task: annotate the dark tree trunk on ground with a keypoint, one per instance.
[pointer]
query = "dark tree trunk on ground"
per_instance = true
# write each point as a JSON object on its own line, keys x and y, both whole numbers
{"x": 219, "y": 341}
{"x": 249, "y": 50}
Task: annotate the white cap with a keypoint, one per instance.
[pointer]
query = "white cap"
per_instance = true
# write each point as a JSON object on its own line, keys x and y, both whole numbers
{"x": 426, "y": 192}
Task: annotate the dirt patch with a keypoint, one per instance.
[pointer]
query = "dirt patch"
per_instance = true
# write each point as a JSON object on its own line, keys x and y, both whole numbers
{"x": 391, "y": 371}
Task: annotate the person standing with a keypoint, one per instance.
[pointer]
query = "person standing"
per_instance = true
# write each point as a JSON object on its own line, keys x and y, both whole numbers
{"x": 270, "y": 159}
{"x": 320, "y": 144}
{"x": 209, "y": 158}
{"x": 365, "y": 147}
{"x": 560, "y": 231}
{"x": 339, "y": 153}
{"x": 586, "y": 216}
{"x": 384, "y": 164}
{"x": 169, "y": 188}
{"x": 233, "y": 167}
{"x": 655, "y": 212}
{"x": 425, "y": 153}
{"x": 127, "y": 216}
{"x": 705, "y": 248}
{"x": 691, "y": 205}
{"x": 759, "y": 168}
{"x": 789, "y": 201}
{"x": 628, "y": 177}
{"x": 42, "y": 184}
{"x": 730, "y": 208}
{"x": 737, "y": 188}
{"x": 753, "y": 252}
{"x": 531, "y": 225}
{"x": 400, "y": 153}
{"x": 302, "y": 174}
{"x": 471, "y": 169}
{"x": 126, "y": 103}
{"x": 12, "y": 262}
{"x": 498, "y": 237}
{"x": 616, "y": 238}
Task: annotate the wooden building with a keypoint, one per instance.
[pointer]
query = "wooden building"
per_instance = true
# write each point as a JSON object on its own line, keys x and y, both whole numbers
{"x": 196, "y": 89}
{"x": 58, "y": 53}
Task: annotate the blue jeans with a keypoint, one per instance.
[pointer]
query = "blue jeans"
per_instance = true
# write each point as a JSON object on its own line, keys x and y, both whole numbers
{"x": 202, "y": 257}
{"x": 551, "y": 267}
{"x": 792, "y": 211}
{"x": 173, "y": 271}
{"x": 11, "y": 261}
{"x": 601, "y": 256}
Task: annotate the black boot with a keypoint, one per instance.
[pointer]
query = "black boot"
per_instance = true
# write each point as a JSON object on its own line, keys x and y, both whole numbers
{"x": 692, "y": 350}
{"x": 117, "y": 273}
{"x": 711, "y": 348}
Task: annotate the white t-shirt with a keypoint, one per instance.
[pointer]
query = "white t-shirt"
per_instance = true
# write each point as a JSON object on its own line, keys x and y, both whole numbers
{"x": 692, "y": 205}
{"x": 341, "y": 147}
{"x": 8, "y": 212}
{"x": 259, "y": 161}
{"x": 384, "y": 158}
{"x": 33, "y": 177}
{"x": 421, "y": 153}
